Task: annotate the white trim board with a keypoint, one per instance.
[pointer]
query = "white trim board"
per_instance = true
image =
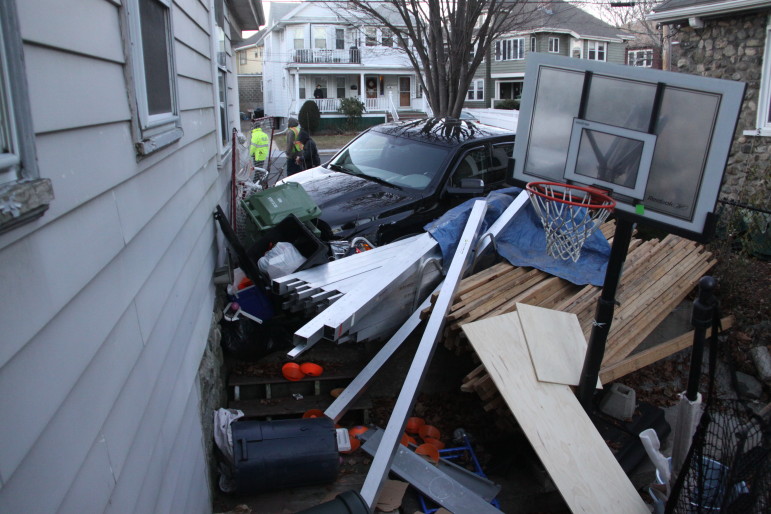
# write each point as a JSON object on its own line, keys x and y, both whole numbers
{"x": 570, "y": 448}
{"x": 556, "y": 344}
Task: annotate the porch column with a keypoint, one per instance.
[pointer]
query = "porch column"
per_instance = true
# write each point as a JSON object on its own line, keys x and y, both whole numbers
{"x": 297, "y": 91}
{"x": 362, "y": 95}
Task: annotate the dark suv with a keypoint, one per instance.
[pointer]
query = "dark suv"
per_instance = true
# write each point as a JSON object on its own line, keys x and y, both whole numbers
{"x": 393, "y": 179}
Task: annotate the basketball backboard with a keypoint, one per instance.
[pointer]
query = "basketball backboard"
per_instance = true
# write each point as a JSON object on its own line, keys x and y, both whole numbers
{"x": 656, "y": 141}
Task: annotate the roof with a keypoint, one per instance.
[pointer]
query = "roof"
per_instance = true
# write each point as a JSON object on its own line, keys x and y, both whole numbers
{"x": 560, "y": 16}
{"x": 443, "y": 131}
{"x": 676, "y": 10}
{"x": 248, "y": 14}
{"x": 250, "y": 41}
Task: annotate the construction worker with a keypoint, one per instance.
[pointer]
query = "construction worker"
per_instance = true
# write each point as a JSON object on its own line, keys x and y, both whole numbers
{"x": 259, "y": 147}
{"x": 294, "y": 147}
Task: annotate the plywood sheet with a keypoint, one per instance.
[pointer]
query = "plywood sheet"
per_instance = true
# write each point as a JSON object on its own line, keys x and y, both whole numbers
{"x": 556, "y": 343}
{"x": 572, "y": 451}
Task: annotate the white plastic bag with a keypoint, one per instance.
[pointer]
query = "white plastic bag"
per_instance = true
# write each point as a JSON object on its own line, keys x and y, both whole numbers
{"x": 280, "y": 260}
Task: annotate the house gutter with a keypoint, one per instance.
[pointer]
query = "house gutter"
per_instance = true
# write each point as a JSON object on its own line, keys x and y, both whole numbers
{"x": 716, "y": 9}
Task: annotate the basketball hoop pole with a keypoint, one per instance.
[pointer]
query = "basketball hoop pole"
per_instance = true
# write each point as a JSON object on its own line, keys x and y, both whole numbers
{"x": 604, "y": 313}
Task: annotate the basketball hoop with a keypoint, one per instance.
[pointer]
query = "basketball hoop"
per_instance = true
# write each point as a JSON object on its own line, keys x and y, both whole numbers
{"x": 569, "y": 215}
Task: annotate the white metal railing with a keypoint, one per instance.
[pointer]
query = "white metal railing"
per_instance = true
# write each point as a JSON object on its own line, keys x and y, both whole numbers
{"x": 316, "y": 55}
{"x": 391, "y": 107}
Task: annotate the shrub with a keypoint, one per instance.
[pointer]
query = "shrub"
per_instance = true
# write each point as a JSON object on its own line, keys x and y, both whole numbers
{"x": 309, "y": 117}
{"x": 353, "y": 108}
{"x": 508, "y": 104}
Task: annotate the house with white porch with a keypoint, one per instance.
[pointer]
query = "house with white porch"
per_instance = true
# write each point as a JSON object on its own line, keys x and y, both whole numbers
{"x": 309, "y": 44}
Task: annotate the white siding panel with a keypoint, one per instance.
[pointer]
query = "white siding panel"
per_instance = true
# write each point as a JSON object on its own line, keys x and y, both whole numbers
{"x": 74, "y": 91}
{"x": 124, "y": 420}
{"x": 183, "y": 211}
{"x": 198, "y": 11}
{"x": 192, "y": 64}
{"x": 68, "y": 436}
{"x": 92, "y": 488}
{"x": 140, "y": 200}
{"x": 89, "y": 27}
{"x": 198, "y": 500}
{"x": 48, "y": 268}
{"x": 194, "y": 94}
{"x": 191, "y": 331}
{"x": 180, "y": 463}
{"x": 190, "y": 34}
{"x": 171, "y": 453}
{"x": 81, "y": 171}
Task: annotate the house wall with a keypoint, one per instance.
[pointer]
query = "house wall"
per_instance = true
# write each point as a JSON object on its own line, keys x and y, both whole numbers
{"x": 253, "y": 64}
{"x": 733, "y": 48}
{"x": 108, "y": 298}
{"x": 249, "y": 92}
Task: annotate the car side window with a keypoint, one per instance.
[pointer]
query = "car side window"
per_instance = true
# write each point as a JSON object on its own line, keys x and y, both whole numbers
{"x": 500, "y": 162}
{"x": 474, "y": 164}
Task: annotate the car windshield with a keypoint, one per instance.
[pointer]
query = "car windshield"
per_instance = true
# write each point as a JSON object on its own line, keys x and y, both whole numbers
{"x": 393, "y": 160}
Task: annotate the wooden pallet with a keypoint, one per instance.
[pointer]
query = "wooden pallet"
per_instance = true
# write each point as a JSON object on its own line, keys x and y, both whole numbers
{"x": 658, "y": 275}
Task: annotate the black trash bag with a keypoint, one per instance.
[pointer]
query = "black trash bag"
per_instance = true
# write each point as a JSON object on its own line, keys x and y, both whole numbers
{"x": 245, "y": 339}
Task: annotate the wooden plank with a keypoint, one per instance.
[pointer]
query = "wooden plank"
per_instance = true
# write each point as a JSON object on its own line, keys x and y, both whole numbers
{"x": 647, "y": 357}
{"x": 570, "y": 448}
{"x": 555, "y": 342}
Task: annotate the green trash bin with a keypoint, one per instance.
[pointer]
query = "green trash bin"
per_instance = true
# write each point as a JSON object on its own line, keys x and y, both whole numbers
{"x": 266, "y": 209}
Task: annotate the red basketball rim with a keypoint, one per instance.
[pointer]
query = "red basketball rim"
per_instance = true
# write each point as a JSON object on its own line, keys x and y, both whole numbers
{"x": 599, "y": 200}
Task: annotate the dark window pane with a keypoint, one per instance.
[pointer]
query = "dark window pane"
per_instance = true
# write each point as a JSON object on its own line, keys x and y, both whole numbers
{"x": 155, "y": 51}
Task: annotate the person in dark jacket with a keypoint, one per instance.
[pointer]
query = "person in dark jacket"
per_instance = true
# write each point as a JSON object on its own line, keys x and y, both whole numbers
{"x": 310, "y": 157}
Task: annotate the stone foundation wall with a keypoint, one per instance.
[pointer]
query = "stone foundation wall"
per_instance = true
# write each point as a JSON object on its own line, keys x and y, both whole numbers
{"x": 249, "y": 92}
{"x": 732, "y": 48}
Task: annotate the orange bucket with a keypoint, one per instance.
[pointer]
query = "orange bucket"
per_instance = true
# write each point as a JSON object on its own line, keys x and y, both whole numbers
{"x": 407, "y": 440}
{"x": 429, "y": 431}
{"x": 311, "y": 369}
{"x": 313, "y": 413}
{"x": 414, "y": 424}
{"x": 434, "y": 442}
{"x": 292, "y": 371}
{"x": 359, "y": 429}
{"x": 428, "y": 451}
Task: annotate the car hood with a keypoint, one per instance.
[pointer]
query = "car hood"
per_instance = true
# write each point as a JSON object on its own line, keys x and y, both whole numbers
{"x": 347, "y": 200}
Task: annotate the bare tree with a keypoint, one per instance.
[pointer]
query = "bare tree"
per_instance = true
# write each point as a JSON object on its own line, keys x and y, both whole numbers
{"x": 631, "y": 16}
{"x": 445, "y": 40}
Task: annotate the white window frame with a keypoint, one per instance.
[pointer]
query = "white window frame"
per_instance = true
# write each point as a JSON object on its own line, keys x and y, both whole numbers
{"x": 243, "y": 57}
{"x": 763, "y": 120}
{"x": 646, "y": 59}
{"x": 533, "y": 44}
{"x": 23, "y": 195}
{"x": 512, "y": 49}
{"x": 337, "y": 39}
{"x": 476, "y": 90}
{"x": 371, "y": 37}
{"x": 319, "y": 31}
{"x": 151, "y": 131}
{"x": 596, "y": 48}
{"x": 301, "y": 39}
{"x": 554, "y": 45}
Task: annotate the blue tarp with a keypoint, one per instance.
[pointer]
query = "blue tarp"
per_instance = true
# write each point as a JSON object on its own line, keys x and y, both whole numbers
{"x": 523, "y": 242}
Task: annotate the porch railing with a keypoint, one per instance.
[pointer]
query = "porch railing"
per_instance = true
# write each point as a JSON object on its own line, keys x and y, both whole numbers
{"x": 315, "y": 55}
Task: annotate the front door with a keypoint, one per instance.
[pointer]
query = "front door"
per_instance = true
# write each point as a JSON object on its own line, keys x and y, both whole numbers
{"x": 404, "y": 91}
{"x": 371, "y": 85}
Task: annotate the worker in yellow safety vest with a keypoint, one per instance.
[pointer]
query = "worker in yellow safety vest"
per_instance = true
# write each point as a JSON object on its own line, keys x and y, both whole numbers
{"x": 294, "y": 147}
{"x": 259, "y": 147}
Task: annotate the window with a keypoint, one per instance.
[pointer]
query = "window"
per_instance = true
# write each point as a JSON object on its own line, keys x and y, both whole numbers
{"x": 533, "y": 44}
{"x": 481, "y": 163}
{"x": 299, "y": 39}
{"x": 242, "y": 58}
{"x": 509, "y": 90}
{"x": 319, "y": 37}
{"x": 764, "y": 99}
{"x": 641, "y": 58}
{"x": 155, "y": 82}
{"x": 596, "y": 51}
{"x": 386, "y": 37}
{"x": 554, "y": 45}
{"x": 370, "y": 36}
{"x": 23, "y": 196}
{"x": 510, "y": 49}
{"x": 339, "y": 39}
{"x": 222, "y": 78}
{"x": 476, "y": 90}
{"x": 340, "y": 87}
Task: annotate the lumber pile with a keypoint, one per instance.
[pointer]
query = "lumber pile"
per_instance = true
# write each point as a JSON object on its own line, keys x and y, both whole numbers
{"x": 657, "y": 276}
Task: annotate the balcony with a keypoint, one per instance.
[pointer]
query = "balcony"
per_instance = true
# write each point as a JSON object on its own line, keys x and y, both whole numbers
{"x": 324, "y": 56}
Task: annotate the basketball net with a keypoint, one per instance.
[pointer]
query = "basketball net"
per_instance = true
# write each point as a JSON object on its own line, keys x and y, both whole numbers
{"x": 569, "y": 215}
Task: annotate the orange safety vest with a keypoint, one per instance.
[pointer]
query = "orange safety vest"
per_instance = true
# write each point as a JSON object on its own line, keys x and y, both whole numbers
{"x": 298, "y": 145}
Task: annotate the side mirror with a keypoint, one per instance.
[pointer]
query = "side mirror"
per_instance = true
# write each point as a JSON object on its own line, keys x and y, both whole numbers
{"x": 468, "y": 186}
